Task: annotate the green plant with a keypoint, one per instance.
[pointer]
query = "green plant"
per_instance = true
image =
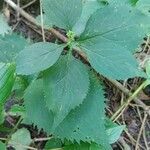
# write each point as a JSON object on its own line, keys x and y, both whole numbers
{"x": 65, "y": 96}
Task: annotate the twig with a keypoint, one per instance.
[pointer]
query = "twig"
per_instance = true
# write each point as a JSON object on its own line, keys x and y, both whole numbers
{"x": 127, "y": 92}
{"x": 145, "y": 139}
{"x": 21, "y": 11}
{"x": 18, "y": 14}
{"x": 27, "y": 5}
{"x": 126, "y": 103}
{"x": 56, "y": 149}
{"x": 132, "y": 140}
{"x": 140, "y": 133}
{"x": 23, "y": 146}
{"x": 14, "y": 129}
{"x": 42, "y": 139}
{"x": 125, "y": 145}
{"x": 33, "y": 20}
{"x": 42, "y": 21}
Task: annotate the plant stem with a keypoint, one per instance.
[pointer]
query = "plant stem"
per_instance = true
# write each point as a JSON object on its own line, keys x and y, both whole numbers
{"x": 125, "y": 104}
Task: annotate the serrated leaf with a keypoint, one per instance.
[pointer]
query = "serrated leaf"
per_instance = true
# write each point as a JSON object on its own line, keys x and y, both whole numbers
{"x": 144, "y": 6}
{"x": 83, "y": 146}
{"x": 63, "y": 14}
{"x": 122, "y": 3}
{"x": 2, "y": 146}
{"x": 10, "y": 46}
{"x": 38, "y": 57}
{"x": 89, "y": 7}
{"x": 107, "y": 41}
{"x": 65, "y": 85}
{"x": 133, "y": 2}
{"x": 4, "y": 28}
{"x": 36, "y": 110}
{"x": 53, "y": 143}
{"x": 20, "y": 138}
{"x": 86, "y": 123}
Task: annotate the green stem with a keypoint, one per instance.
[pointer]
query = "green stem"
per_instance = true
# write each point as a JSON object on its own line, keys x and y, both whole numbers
{"x": 125, "y": 104}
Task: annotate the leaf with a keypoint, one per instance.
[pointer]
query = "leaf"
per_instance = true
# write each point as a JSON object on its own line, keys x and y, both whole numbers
{"x": 20, "y": 138}
{"x": 114, "y": 133}
{"x": 2, "y": 146}
{"x": 144, "y": 6}
{"x": 19, "y": 87}
{"x": 113, "y": 130}
{"x": 63, "y": 14}
{"x": 89, "y": 7}
{"x": 4, "y": 28}
{"x": 38, "y": 57}
{"x": 86, "y": 122}
{"x": 36, "y": 110}
{"x": 83, "y": 146}
{"x": 107, "y": 41}
{"x": 10, "y": 46}
{"x": 7, "y": 78}
{"x": 53, "y": 143}
{"x": 133, "y": 2}
{"x": 17, "y": 110}
{"x": 122, "y": 3}
{"x": 65, "y": 85}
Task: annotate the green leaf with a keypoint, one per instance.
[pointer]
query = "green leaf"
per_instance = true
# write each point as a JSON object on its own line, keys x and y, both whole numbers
{"x": 38, "y": 57}
{"x": 144, "y": 6}
{"x": 108, "y": 41}
{"x": 10, "y": 46}
{"x": 86, "y": 122}
{"x": 89, "y": 7}
{"x": 83, "y": 146}
{"x": 17, "y": 110}
{"x": 20, "y": 138}
{"x": 122, "y": 3}
{"x": 4, "y": 28}
{"x": 63, "y": 14}
{"x": 53, "y": 143}
{"x": 114, "y": 133}
{"x": 65, "y": 85}
{"x": 133, "y": 2}
{"x": 36, "y": 110}
{"x": 2, "y": 146}
{"x": 113, "y": 130}
{"x": 7, "y": 78}
{"x": 19, "y": 86}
